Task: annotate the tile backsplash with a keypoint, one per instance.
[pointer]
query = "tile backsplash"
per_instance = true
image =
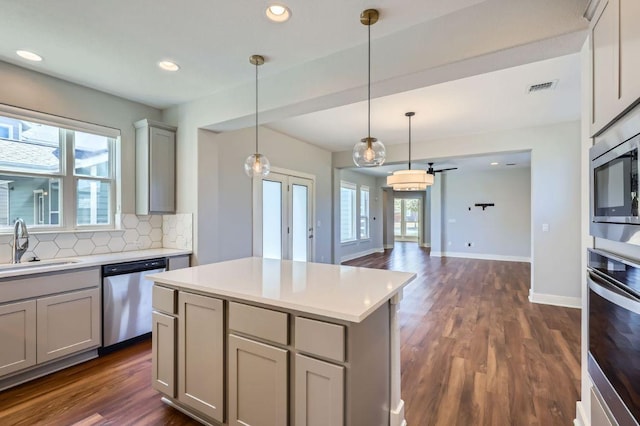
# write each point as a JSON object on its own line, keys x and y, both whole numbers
{"x": 134, "y": 233}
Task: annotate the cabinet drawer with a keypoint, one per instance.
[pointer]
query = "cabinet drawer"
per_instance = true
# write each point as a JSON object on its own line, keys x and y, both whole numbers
{"x": 164, "y": 299}
{"x": 263, "y": 323}
{"x": 320, "y": 338}
{"x": 38, "y": 285}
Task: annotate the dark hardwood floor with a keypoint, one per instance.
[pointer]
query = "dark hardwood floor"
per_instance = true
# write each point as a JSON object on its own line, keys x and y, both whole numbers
{"x": 474, "y": 352}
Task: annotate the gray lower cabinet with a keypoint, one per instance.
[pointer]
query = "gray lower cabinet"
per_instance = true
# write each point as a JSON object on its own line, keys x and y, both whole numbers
{"x": 163, "y": 353}
{"x": 257, "y": 383}
{"x": 18, "y": 336}
{"x": 67, "y": 323}
{"x": 201, "y": 354}
{"x": 238, "y": 364}
{"x": 319, "y": 398}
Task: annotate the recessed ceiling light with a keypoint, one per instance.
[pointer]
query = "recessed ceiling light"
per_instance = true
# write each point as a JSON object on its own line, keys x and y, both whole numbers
{"x": 494, "y": 163}
{"x": 168, "y": 66}
{"x": 278, "y": 13}
{"x": 30, "y": 56}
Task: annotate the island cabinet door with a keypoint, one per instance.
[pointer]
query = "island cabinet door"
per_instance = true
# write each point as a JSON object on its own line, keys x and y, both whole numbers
{"x": 201, "y": 354}
{"x": 319, "y": 392}
{"x": 163, "y": 354}
{"x": 257, "y": 383}
{"x": 17, "y": 336}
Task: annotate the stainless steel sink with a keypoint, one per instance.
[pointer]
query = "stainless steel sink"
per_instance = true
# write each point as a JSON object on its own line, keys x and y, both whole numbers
{"x": 37, "y": 264}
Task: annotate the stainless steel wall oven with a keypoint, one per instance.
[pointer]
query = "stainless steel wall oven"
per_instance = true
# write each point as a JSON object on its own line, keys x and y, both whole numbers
{"x": 614, "y": 333}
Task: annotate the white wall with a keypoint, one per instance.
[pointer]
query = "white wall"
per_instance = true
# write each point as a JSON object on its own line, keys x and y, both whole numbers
{"x": 351, "y": 250}
{"x": 555, "y": 197}
{"x": 224, "y": 192}
{"x": 31, "y": 90}
{"x": 499, "y": 232}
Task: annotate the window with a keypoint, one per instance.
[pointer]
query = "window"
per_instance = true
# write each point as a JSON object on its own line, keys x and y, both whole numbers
{"x": 55, "y": 172}
{"x": 347, "y": 212}
{"x": 364, "y": 212}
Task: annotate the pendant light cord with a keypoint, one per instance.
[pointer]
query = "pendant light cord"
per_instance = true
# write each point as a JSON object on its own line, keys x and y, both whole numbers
{"x": 256, "y": 108}
{"x": 409, "y": 142}
{"x": 369, "y": 87}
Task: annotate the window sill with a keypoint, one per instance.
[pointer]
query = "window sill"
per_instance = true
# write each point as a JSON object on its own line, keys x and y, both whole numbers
{"x": 36, "y": 231}
{"x": 349, "y": 243}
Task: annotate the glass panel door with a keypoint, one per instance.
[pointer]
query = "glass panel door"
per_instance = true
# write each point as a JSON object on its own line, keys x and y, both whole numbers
{"x": 283, "y": 226}
{"x": 300, "y": 229}
{"x": 272, "y": 219}
{"x": 406, "y": 219}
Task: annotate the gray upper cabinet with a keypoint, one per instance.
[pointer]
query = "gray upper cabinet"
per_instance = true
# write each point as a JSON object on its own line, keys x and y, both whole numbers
{"x": 155, "y": 168}
{"x": 615, "y": 58}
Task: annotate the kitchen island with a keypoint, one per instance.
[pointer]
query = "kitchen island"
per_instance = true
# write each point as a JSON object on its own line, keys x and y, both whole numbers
{"x": 268, "y": 342}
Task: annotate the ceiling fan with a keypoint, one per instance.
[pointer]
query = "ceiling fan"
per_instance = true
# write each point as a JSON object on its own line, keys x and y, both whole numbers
{"x": 433, "y": 172}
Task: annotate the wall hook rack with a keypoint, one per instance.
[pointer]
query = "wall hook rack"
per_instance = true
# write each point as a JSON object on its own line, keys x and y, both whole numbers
{"x": 484, "y": 205}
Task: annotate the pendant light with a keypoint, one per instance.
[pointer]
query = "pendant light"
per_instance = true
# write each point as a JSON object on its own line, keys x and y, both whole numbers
{"x": 369, "y": 152}
{"x": 256, "y": 164}
{"x": 410, "y": 180}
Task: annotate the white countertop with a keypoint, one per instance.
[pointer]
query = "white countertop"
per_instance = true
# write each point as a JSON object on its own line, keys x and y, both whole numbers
{"x": 339, "y": 292}
{"x": 54, "y": 265}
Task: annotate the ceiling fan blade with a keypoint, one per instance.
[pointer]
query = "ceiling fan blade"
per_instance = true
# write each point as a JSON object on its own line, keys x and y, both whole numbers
{"x": 444, "y": 170}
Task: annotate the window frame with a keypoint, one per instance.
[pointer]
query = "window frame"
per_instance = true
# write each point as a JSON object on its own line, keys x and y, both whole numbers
{"x": 68, "y": 214}
{"x": 367, "y": 236}
{"x": 354, "y": 213}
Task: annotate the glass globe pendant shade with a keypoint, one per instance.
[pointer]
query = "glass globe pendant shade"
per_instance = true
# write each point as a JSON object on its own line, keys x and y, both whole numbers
{"x": 257, "y": 165}
{"x": 369, "y": 152}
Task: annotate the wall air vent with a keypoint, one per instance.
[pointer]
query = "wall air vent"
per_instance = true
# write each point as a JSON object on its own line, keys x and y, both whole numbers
{"x": 539, "y": 87}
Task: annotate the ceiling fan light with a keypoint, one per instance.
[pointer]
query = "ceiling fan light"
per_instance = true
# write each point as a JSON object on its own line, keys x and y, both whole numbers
{"x": 410, "y": 180}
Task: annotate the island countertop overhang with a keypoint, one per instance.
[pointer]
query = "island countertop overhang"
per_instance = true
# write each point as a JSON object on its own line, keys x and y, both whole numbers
{"x": 338, "y": 292}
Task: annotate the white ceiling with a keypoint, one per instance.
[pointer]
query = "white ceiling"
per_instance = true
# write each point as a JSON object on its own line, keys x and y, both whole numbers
{"x": 483, "y": 103}
{"x": 313, "y": 86}
{"x": 114, "y": 45}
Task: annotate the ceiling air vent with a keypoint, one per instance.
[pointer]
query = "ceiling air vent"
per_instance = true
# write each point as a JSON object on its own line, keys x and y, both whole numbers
{"x": 539, "y": 87}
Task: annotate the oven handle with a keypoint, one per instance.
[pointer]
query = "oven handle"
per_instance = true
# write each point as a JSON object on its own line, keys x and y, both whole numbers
{"x": 612, "y": 293}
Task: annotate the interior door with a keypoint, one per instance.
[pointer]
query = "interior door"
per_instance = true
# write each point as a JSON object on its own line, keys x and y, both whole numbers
{"x": 283, "y": 217}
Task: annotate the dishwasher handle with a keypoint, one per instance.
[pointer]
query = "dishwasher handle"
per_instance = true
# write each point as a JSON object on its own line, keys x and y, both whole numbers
{"x": 131, "y": 267}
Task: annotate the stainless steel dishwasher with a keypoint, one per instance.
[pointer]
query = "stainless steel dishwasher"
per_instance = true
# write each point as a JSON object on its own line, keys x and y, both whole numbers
{"x": 126, "y": 301}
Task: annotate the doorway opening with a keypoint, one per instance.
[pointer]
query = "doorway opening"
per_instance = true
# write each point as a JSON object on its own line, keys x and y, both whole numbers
{"x": 407, "y": 219}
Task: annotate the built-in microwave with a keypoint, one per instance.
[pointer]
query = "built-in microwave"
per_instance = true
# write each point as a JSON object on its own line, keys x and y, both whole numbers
{"x": 615, "y": 191}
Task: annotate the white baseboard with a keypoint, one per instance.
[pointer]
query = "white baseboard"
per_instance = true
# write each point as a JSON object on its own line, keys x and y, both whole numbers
{"x": 425, "y": 245}
{"x": 581, "y": 415}
{"x": 388, "y": 246}
{"x": 360, "y": 254}
{"x": 552, "y": 299}
{"x": 481, "y": 256}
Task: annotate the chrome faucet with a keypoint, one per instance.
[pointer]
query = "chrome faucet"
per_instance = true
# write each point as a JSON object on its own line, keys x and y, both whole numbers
{"x": 19, "y": 233}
